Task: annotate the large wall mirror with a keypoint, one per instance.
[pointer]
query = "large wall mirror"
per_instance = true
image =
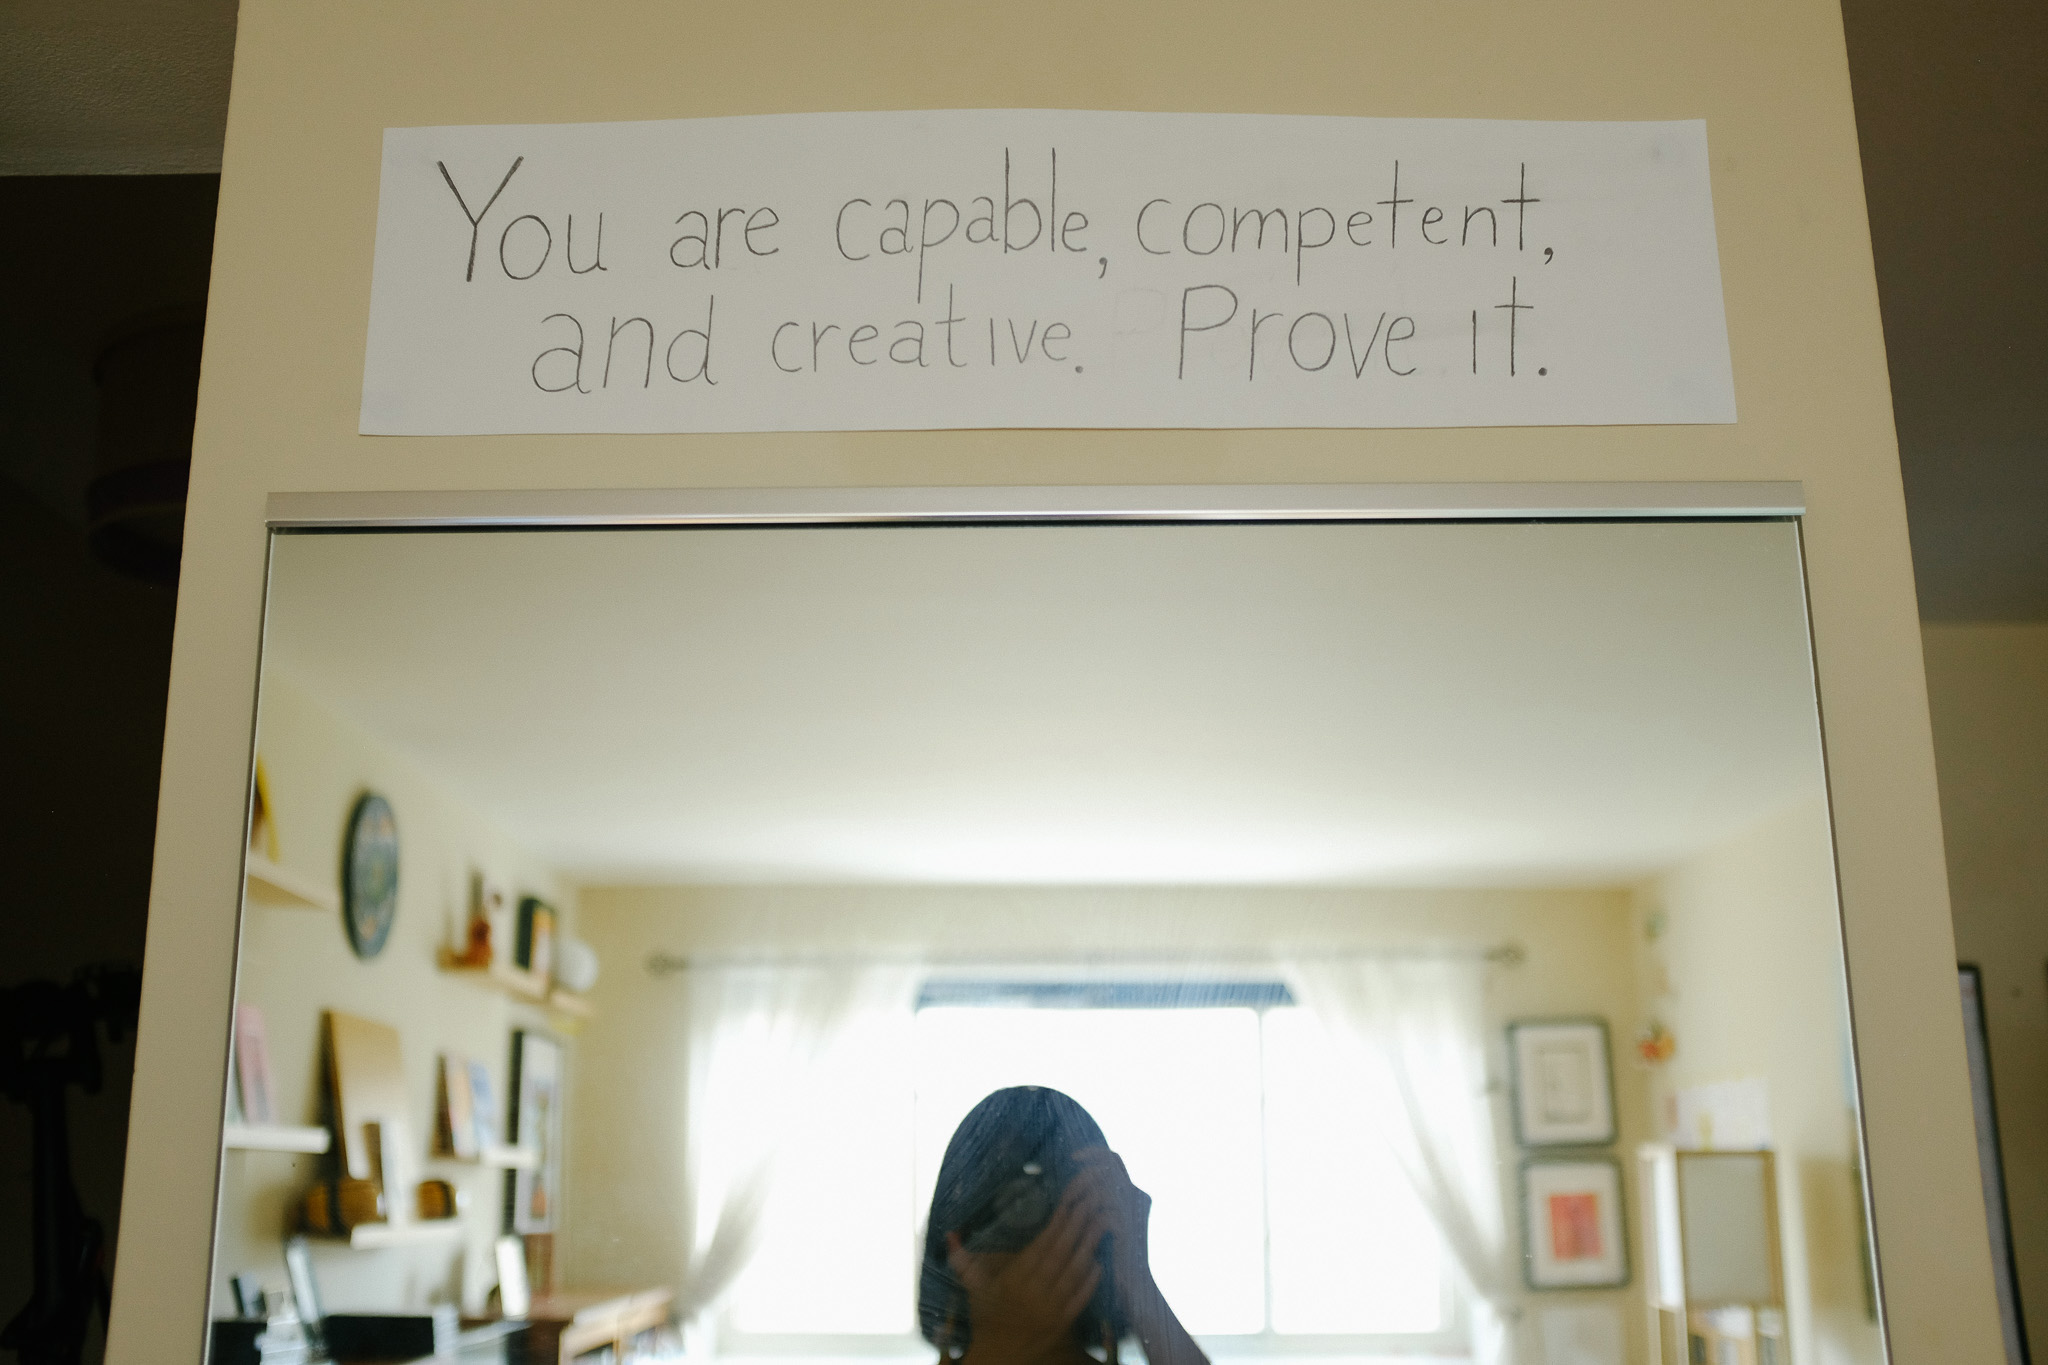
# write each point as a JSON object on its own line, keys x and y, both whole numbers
{"x": 1318, "y": 940}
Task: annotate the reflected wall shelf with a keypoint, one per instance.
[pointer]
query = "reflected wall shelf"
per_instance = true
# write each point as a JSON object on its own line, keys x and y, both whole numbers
{"x": 499, "y": 1155}
{"x": 271, "y": 884}
{"x": 569, "y": 1003}
{"x": 511, "y": 1158}
{"x": 274, "y": 1137}
{"x": 520, "y": 985}
{"x": 369, "y": 1236}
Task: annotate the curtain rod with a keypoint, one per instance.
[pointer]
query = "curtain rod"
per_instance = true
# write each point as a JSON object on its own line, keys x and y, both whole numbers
{"x": 661, "y": 964}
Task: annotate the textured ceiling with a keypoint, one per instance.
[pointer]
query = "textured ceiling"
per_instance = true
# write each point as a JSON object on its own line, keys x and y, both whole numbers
{"x": 114, "y": 87}
{"x": 1952, "y": 109}
{"x": 1951, "y": 104}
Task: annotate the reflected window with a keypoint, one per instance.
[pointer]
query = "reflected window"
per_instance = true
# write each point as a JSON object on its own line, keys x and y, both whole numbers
{"x": 1278, "y": 1216}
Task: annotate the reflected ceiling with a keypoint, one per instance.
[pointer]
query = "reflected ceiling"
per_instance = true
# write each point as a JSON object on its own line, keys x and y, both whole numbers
{"x": 1465, "y": 704}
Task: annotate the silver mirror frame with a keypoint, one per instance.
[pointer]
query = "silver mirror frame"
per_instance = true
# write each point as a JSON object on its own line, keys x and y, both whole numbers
{"x": 558, "y": 509}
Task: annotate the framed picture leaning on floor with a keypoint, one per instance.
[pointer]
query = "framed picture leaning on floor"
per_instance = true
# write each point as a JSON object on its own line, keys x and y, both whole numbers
{"x": 533, "y": 1191}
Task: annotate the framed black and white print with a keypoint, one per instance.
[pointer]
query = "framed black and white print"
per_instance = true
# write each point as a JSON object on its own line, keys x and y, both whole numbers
{"x": 1564, "y": 1082}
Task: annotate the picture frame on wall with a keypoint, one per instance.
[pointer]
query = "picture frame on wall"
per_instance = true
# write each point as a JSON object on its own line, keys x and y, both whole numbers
{"x": 533, "y": 949}
{"x": 455, "y": 1119}
{"x": 534, "y": 1123}
{"x": 252, "y": 1087}
{"x": 1563, "y": 1082}
{"x": 483, "y": 1104}
{"x": 1574, "y": 1229}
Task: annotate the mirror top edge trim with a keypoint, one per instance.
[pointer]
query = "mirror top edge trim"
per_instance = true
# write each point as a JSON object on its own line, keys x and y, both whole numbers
{"x": 1222, "y": 502}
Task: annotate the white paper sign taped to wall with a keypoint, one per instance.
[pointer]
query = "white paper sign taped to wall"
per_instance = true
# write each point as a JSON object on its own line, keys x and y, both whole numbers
{"x": 1037, "y": 268}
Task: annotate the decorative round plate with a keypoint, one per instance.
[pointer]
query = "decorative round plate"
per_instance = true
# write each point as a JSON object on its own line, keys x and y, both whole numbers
{"x": 369, "y": 875}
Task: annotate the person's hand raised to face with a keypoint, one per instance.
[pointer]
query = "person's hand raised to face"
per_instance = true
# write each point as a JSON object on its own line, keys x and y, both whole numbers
{"x": 1023, "y": 1304}
{"x": 1102, "y": 1180}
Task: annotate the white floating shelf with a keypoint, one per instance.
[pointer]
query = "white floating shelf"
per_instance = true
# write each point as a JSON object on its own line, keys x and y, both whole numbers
{"x": 511, "y": 1158}
{"x": 369, "y": 1236}
{"x": 499, "y": 976}
{"x": 274, "y": 1137}
{"x": 274, "y": 885}
{"x": 520, "y": 985}
{"x": 499, "y": 1155}
{"x": 569, "y": 1003}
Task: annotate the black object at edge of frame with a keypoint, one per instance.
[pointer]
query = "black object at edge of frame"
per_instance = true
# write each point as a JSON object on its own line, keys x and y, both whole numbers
{"x": 510, "y": 1203}
{"x": 1561, "y": 1157}
{"x": 2006, "y": 1266}
{"x": 530, "y": 908}
{"x": 1522, "y": 1139}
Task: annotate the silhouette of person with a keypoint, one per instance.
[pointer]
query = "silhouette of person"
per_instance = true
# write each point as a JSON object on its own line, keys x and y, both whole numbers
{"x": 1036, "y": 1248}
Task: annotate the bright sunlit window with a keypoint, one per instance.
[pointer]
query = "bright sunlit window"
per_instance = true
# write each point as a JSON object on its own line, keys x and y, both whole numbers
{"x": 1277, "y": 1217}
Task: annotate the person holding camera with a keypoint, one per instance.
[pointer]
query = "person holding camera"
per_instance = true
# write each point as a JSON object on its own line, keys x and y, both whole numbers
{"x": 1035, "y": 1250}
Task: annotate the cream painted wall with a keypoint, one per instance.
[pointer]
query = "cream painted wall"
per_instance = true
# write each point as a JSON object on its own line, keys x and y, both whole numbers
{"x": 297, "y": 963}
{"x": 622, "y": 1190}
{"x": 1988, "y": 685}
{"x": 1745, "y": 970}
{"x": 315, "y": 86}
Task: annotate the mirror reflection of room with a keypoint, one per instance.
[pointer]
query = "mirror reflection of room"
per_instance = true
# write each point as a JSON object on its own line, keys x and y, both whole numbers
{"x": 1014, "y": 944}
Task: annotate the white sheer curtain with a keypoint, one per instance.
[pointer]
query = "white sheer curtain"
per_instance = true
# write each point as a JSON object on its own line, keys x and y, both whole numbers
{"x": 756, "y": 1038}
{"x": 1413, "y": 1032}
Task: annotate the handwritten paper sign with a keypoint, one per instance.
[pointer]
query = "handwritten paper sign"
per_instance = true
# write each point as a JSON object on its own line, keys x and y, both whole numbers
{"x": 1034, "y": 268}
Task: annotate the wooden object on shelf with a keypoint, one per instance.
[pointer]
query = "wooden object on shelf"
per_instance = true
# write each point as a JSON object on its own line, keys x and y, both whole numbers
{"x": 332, "y": 1207}
{"x": 435, "y": 1199}
{"x": 372, "y": 1126}
{"x": 270, "y": 884}
{"x": 1714, "y": 1277}
{"x": 485, "y": 931}
{"x": 274, "y": 1137}
{"x": 561, "y": 1327}
{"x": 369, "y": 1089}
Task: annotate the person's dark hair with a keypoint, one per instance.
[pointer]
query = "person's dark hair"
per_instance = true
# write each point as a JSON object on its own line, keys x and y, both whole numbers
{"x": 1001, "y": 1178}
